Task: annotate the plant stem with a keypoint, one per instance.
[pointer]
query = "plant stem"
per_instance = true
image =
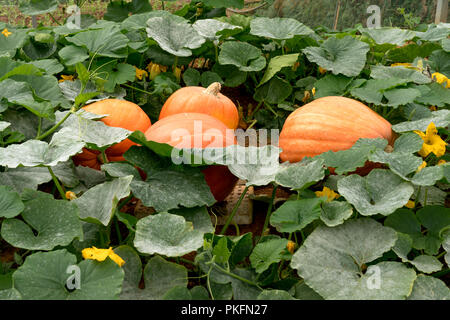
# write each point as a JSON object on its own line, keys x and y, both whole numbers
{"x": 237, "y": 228}
{"x": 57, "y": 184}
{"x": 104, "y": 157}
{"x": 137, "y": 89}
{"x": 53, "y": 129}
{"x": 236, "y": 276}
{"x": 39, "y": 127}
{"x": 269, "y": 212}
{"x": 231, "y": 216}
{"x": 119, "y": 235}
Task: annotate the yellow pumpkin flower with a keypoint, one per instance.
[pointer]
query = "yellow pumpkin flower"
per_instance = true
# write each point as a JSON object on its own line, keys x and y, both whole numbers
{"x": 313, "y": 91}
{"x": 442, "y": 79}
{"x": 155, "y": 69}
{"x": 101, "y": 254}
{"x": 432, "y": 142}
{"x": 65, "y": 78}
{"x": 423, "y": 165}
{"x": 327, "y": 192}
{"x": 290, "y": 246}
{"x": 6, "y": 33}
{"x": 70, "y": 195}
{"x": 410, "y": 204}
{"x": 441, "y": 162}
{"x": 433, "y": 108}
{"x": 295, "y": 66}
{"x": 140, "y": 74}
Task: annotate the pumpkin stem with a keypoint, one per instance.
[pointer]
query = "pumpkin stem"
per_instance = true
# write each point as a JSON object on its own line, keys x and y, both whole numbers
{"x": 214, "y": 88}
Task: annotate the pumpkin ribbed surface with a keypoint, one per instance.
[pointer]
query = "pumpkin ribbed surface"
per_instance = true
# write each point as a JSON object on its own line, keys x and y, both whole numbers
{"x": 209, "y": 101}
{"x": 197, "y": 130}
{"x": 329, "y": 124}
{"x": 122, "y": 114}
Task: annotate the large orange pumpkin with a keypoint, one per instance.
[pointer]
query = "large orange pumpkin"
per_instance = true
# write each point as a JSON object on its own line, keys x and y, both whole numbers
{"x": 329, "y": 123}
{"x": 210, "y": 101}
{"x": 122, "y": 114}
{"x": 198, "y": 130}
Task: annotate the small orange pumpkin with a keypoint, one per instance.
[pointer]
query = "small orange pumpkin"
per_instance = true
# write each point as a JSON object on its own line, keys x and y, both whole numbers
{"x": 210, "y": 101}
{"x": 329, "y": 123}
{"x": 198, "y": 130}
{"x": 122, "y": 114}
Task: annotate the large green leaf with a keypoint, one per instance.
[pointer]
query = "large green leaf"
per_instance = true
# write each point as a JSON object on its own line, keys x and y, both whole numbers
{"x": 393, "y": 36}
{"x": 35, "y": 152}
{"x": 345, "y": 56}
{"x": 380, "y": 192}
{"x": 301, "y": 174}
{"x": 173, "y": 36}
{"x": 9, "y": 45}
{"x": 273, "y": 92}
{"x": 10, "y": 203}
{"x": 349, "y": 160}
{"x": 208, "y": 28}
{"x": 167, "y": 234}
{"x": 399, "y": 72}
{"x": 278, "y": 28}
{"x": 71, "y": 55}
{"x": 294, "y": 215}
{"x": 107, "y": 41}
{"x": 332, "y": 262}
{"x": 440, "y": 118}
{"x": 55, "y": 222}
{"x": 45, "y": 275}
{"x": 242, "y": 55}
{"x": 277, "y": 63}
{"x": 429, "y": 288}
{"x": 21, "y": 178}
{"x": 110, "y": 192}
{"x": 335, "y": 213}
{"x": 159, "y": 276}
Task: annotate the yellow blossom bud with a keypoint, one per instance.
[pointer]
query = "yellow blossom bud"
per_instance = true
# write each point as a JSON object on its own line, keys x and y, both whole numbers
{"x": 290, "y": 246}
{"x": 71, "y": 195}
{"x": 327, "y": 192}
{"x": 6, "y": 33}
{"x": 410, "y": 205}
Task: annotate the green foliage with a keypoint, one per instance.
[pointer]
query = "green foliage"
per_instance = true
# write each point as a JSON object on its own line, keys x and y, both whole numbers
{"x": 362, "y": 244}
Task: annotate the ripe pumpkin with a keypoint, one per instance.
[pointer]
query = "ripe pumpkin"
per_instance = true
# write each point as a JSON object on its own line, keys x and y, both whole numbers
{"x": 122, "y": 114}
{"x": 198, "y": 130}
{"x": 329, "y": 123}
{"x": 193, "y": 99}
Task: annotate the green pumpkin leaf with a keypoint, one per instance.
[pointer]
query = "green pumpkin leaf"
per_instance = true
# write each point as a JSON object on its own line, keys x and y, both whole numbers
{"x": 380, "y": 192}
{"x": 166, "y": 234}
{"x": 49, "y": 273}
{"x": 278, "y": 28}
{"x": 429, "y": 288}
{"x": 267, "y": 252}
{"x": 173, "y": 36}
{"x": 55, "y": 221}
{"x": 276, "y": 64}
{"x": 295, "y": 215}
{"x": 298, "y": 175}
{"x": 344, "y": 250}
{"x": 10, "y": 203}
{"x": 92, "y": 210}
{"x": 242, "y": 55}
{"x": 112, "y": 44}
{"x": 345, "y": 56}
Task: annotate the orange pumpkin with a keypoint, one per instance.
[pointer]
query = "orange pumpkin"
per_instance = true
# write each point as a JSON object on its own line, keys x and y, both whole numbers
{"x": 122, "y": 114}
{"x": 198, "y": 130}
{"x": 329, "y": 123}
{"x": 200, "y": 100}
